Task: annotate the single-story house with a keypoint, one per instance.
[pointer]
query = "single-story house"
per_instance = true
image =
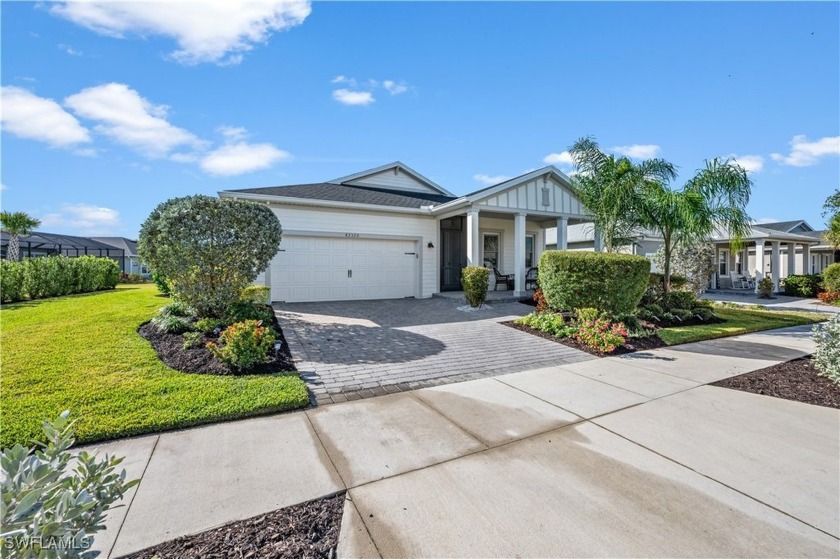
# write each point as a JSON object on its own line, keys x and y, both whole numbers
{"x": 131, "y": 262}
{"x": 390, "y": 232}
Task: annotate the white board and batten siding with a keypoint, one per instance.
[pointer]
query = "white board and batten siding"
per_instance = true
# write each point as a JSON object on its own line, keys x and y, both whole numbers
{"x": 393, "y": 180}
{"x": 336, "y": 254}
{"x": 529, "y": 196}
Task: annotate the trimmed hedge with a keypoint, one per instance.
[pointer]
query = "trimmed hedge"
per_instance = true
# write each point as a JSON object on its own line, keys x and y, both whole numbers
{"x": 610, "y": 282}
{"x": 52, "y": 276}
{"x": 803, "y": 286}
{"x": 831, "y": 278}
{"x": 474, "y": 279}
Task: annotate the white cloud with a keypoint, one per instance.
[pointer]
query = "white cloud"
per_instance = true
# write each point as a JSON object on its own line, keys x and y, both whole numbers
{"x": 3, "y": 187}
{"x": 123, "y": 115}
{"x": 70, "y": 50}
{"x": 207, "y": 31}
{"x": 638, "y": 151}
{"x": 488, "y": 180}
{"x": 562, "y": 158}
{"x": 804, "y": 153}
{"x": 395, "y": 88}
{"x": 86, "y": 219}
{"x": 750, "y": 163}
{"x": 240, "y": 158}
{"x": 233, "y": 133}
{"x": 36, "y": 118}
{"x": 348, "y": 97}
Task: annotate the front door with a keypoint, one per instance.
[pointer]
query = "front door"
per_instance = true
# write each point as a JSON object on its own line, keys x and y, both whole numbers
{"x": 453, "y": 253}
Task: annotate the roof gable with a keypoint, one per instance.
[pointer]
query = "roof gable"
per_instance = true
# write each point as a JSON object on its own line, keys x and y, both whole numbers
{"x": 393, "y": 176}
{"x": 795, "y": 226}
{"x": 545, "y": 189}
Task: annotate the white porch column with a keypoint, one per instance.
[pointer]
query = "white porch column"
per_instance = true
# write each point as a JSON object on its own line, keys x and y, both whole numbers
{"x": 775, "y": 264}
{"x": 473, "y": 241}
{"x": 791, "y": 257}
{"x": 806, "y": 258}
{"x": 562, "y": 233}
{"x": 759, "y": 263}
{"x": 714, "y": 280}
{"x": 519, "y": 254}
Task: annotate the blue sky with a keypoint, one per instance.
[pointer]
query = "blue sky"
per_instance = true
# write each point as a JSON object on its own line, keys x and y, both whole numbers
{"x": 109, "y": 109}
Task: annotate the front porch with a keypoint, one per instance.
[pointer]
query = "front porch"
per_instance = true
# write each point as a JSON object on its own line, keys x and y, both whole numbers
{"x": 503, "y": 228}
{"x": 776, "y": 257}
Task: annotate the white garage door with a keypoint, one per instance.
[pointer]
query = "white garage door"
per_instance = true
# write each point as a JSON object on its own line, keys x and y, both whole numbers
{"x": 339, "y": 269}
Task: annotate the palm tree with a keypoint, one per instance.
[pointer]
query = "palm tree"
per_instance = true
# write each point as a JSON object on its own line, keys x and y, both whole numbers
{"x": 610, "y": 188}
{"x": 714, "y": 199}
{"x": 15, "y": 224}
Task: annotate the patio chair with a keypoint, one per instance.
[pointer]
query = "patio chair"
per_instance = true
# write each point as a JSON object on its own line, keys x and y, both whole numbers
{"x": 531, "y": 279}
{"x": 737, "y": 281}
{"x": 507, "y": 279}
{"x": 749, "y": 281}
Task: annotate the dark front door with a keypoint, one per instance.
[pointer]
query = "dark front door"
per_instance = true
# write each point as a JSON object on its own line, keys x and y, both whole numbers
{"x": 453, "y": 253}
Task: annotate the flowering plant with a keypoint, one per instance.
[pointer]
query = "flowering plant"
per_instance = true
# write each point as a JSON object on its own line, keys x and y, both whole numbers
{"x": 246, "y": 344}
{"x": 601, "y": 334}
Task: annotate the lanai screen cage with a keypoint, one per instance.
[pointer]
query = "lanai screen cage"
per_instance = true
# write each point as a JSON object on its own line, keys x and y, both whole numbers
{"x": 48, "y": 244}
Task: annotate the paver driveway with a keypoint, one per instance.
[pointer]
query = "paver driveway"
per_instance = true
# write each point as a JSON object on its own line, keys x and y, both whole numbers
{"x": 351, "y": 349}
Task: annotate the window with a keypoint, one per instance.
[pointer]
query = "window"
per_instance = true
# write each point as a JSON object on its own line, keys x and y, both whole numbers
{"x": 739, "y": 266}
{"x": 491, "y": 250}
{"x": 723, "y": 257}
{"x": 529, "y": 251}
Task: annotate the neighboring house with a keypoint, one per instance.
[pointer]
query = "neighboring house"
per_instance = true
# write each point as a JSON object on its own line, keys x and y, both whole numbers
{"x": 582, "y": 237}
{"x": 46, "y": 244}
{"x": 130, "y": 263}
{"x": 390, "y": 232}
{"x": 38, "y": 244}
{"x": 787, "y": 248}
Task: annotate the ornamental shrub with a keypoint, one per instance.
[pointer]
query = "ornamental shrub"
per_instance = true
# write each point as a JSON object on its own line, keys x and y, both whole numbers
{"x": 827, "y": 355}
{"x": 176, "y": 308}
{"x": 587, "y": 314}
{"x": 209, "y": 249}
{"x": 53, "y": 503}
{"x": 539, "y": 300}
{"x": 803, "y": 286}
{"x": 831, "y": 278}
{"x": 193, "y": 340}
{"x": 161, "y": 283}
{"x": 257, "y": 294}
{"x": 679, "y": 300}
{"x": 548, "y": 322}
{"x": 609, "y": 282}
{"x": 244, "y": 344}
{"x": 655, "y": 291}
{"x": 242, "y": 311}
{"x": 52, "y": 276}
{"x": 208, "y": 325}
{"x": 601, "y": 335}
{"x": 765, "y": 288}
{"x": 475, "y": 281}
{"x": 171, "y": 324}
{"x": 829, "y": 297}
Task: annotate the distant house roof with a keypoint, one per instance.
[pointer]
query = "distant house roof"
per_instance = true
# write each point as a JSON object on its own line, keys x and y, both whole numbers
{"x": 788, "y": 226}
{"x": 353, "y": 194}
{"x": 129, "y": 246}
{"x": 56, "y": 242}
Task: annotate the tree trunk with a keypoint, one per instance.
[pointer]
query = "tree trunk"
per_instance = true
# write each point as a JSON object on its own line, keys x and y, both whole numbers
{"x": 666, "y": 271}
{"x": 12, "y": 250}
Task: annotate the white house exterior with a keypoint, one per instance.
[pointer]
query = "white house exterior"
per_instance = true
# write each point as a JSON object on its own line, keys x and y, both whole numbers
{"x": 389, "y": 232}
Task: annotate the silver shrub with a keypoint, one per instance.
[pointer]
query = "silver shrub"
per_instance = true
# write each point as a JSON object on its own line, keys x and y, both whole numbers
{"x": 52, "y": 501}
{"x": 827, "y": 355}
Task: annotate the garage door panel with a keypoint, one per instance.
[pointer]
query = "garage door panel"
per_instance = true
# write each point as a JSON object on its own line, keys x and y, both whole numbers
{"x": 315, "y": 269}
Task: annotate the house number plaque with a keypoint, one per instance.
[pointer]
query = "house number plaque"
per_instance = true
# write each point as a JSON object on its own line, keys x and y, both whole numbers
{"x": 352, "y": 235}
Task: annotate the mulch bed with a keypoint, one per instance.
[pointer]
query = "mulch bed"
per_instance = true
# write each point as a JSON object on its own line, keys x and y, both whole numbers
{"x": 793, "y": 380}
{"x": 632, "y": 345}
{"x": 170, "y": 349}
{"x": 308, "y": 530}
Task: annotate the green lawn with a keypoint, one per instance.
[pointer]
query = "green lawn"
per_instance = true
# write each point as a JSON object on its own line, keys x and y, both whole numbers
{"x": 738, "y": 321}
{"x": 82, "y": 353}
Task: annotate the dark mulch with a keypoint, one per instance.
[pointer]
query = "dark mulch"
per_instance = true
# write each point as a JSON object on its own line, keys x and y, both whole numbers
{"x": 170, "y": 349}
{"x": 307, "y": 530}
{"x": 793, "y": 380}
{"x": 633, "y": 344}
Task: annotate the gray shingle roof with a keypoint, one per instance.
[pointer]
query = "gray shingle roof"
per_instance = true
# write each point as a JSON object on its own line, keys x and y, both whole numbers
{"x": 352, "y": 194}
{"x": 784, "y": 226}
{"x": 129, "y": 246}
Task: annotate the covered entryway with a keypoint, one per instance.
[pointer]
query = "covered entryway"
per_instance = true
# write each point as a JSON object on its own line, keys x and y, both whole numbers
{"x": 322, "y": 268}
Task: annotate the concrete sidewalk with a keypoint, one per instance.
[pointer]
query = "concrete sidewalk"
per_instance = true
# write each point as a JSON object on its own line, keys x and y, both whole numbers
{"x": 626, "y": 456}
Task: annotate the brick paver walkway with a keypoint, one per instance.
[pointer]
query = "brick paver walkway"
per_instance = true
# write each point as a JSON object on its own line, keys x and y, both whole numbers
{"x": 354, "y": 349}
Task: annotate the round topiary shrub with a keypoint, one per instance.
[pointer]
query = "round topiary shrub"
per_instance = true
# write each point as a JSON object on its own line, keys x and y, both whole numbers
{"x": 613, "y": 283}
{"x": 475, "y": 280}
{"x": 209, "y": 249}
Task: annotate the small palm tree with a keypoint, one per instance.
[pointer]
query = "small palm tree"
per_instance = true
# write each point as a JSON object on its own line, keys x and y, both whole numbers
{"x": 715, "y": 198}
{"x": 610, "y": 188}
{"x": 15, "y": 224}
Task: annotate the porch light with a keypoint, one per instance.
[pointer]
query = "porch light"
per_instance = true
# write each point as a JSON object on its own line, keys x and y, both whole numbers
{"x": 431, "y": 244}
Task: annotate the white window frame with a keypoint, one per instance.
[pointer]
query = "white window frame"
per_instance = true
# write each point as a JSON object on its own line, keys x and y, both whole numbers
{"x": 498, "y": 247}
{"x": 723, "y": 262}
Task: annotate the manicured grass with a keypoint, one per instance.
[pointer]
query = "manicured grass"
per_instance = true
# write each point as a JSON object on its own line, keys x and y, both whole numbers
{"x": 83, "y": 353}
{"x": 738, "y": 321}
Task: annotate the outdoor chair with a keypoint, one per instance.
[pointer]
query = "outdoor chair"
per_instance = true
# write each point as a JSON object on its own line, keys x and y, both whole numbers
{"x": 531, "y": 278}
{"x": 506, "y": 279}
{"x": 737, "y": 281}
{"x": 749, "y": 281}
